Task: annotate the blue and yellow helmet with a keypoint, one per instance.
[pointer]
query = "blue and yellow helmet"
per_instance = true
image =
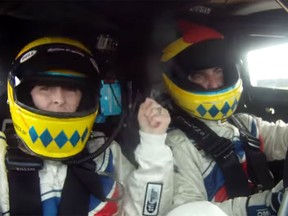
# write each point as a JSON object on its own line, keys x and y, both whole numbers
{"x": 53, "y": 61}
{"x": 198, "y": 48}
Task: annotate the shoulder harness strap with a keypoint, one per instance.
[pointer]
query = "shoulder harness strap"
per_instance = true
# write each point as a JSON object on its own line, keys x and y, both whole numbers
{"x": 258, "y": 169}
{"x": 23, "y": 180}
{"x": 220, "y": 148}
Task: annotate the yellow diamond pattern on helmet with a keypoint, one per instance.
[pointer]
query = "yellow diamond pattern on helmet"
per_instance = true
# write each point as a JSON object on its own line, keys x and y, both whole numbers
{"x": 216, "y": 110}
{"x": 61, "y": 139}
{"x": 215, "y": 105}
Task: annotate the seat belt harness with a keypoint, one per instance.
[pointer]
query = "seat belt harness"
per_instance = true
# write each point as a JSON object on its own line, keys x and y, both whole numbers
{"x": 23, "y": 180}
{"x": 222, "y": 151}
{"x": 258, "y": 169}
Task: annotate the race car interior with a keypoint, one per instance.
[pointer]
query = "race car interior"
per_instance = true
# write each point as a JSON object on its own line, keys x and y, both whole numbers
{"x": 126, "y": 37}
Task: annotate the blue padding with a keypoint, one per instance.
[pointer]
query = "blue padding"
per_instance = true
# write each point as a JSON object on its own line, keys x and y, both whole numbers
{"x": 110, "y": 100}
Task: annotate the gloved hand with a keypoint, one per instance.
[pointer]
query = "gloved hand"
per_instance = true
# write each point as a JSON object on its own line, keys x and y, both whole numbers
{"x": 265, "y": 203}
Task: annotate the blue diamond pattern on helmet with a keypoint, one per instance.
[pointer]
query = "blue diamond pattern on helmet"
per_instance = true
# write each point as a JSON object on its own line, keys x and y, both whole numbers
{"x": 75, "y": 138}
{"x": 201, "y": 109}
{"x": 61, "y": 139}
{"x": 225, "y": 108}
{"x": 46, "y": 138}
{"x": 84, "y": 135}
{"x": 33, "y": 134}
{"x": 213, "y": 111}
{"x": 234, "y": 105}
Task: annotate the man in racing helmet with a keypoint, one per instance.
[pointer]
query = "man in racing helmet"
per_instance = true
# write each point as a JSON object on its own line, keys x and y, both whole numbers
{"x": 213, "y": 161}
{"x": 50, "y": 163}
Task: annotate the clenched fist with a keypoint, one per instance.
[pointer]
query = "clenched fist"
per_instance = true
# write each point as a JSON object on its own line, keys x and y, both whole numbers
{"x": 152, "y": 117}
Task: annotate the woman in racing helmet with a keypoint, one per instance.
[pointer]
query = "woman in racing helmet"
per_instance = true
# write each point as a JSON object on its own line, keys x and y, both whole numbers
{"x": 53, "y": 62}
{"x": 53, "y": 94}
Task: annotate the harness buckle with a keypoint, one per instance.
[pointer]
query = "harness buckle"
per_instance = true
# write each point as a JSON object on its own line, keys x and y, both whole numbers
{"x": 223, "y": 149}
{"x": 16, "y": 160}
{"x": 250, "y": 140}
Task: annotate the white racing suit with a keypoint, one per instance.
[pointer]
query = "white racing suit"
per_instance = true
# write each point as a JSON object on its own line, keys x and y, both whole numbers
{"x": 155, "y": 167}
{"x": 198, "y": 178}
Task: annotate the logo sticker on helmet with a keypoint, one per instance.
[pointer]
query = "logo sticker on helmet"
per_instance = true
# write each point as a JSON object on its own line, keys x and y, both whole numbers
{"x": 28, "y": 55}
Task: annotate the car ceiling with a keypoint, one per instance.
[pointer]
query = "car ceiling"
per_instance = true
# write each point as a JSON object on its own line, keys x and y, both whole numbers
{"x": 129, "y": 20}
{"x": 100, "y": 12}
{"x": 115, "y": 15}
